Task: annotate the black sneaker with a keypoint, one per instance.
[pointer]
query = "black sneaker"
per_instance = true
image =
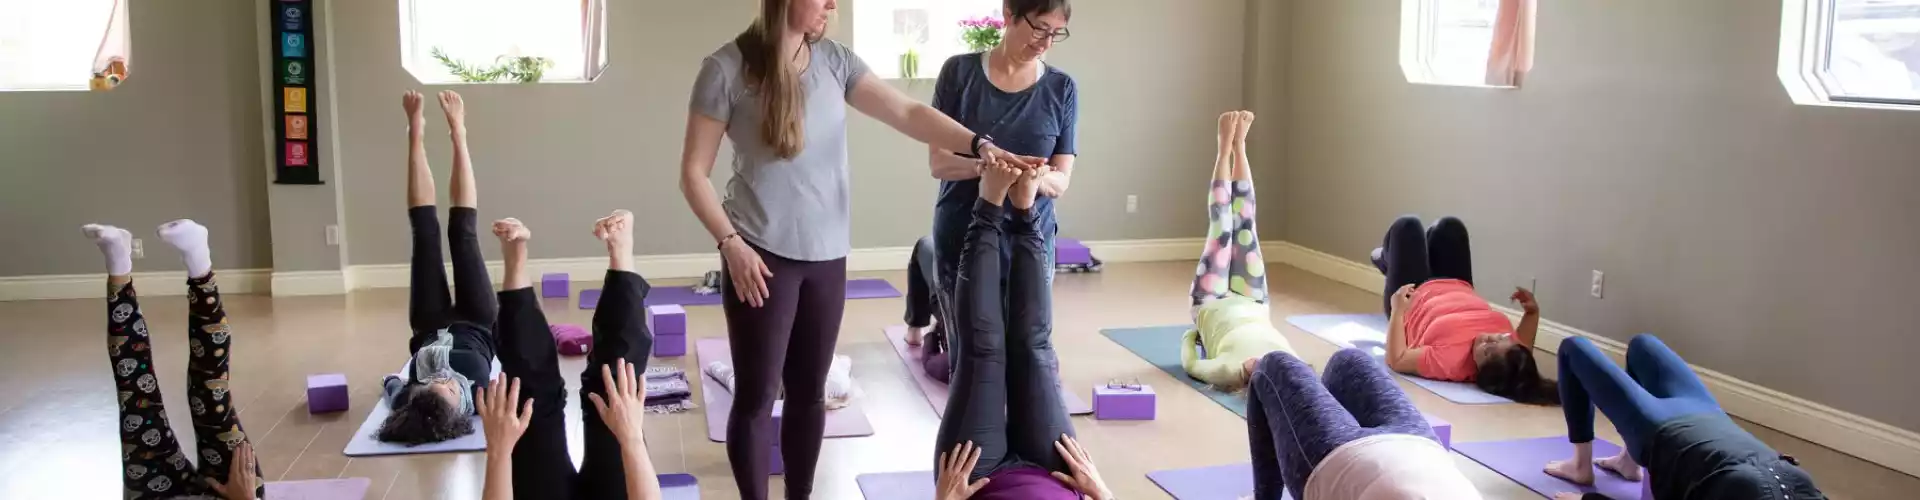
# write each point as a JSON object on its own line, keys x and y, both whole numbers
{"x": 1380, "y": 259}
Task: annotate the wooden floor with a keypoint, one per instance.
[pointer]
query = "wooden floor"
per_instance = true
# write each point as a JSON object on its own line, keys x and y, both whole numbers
{"x": 57, "y": 413}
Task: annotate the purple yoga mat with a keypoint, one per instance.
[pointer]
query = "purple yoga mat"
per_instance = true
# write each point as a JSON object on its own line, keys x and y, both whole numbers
{"x": 352, "y": 488}
{"x": 844, "y": 422}
{"x": 1219, "y": 482}
{"x": 914, "y": 485}
{"x": 683, "y": 295}
{"x": 679, "y": 487}
{"x": 1523, "y": 461}
{"x": 936, "y": 392}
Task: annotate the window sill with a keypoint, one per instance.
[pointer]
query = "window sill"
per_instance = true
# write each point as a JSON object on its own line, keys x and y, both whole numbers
{"x": 1466, "y": 85}
{"x": 1859, "y": 105}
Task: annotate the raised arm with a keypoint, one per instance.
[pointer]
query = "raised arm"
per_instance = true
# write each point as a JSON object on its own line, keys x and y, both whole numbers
{"x": 1401, "y": 357}
{"x": 1529, "y": 328}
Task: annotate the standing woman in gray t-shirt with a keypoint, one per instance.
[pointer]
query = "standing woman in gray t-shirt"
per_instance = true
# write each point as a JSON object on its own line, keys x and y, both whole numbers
{"x": 780, "y": 90}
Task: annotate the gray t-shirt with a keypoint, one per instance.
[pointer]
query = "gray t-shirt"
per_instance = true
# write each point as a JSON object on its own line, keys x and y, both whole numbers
{"x": 798, "y": 208}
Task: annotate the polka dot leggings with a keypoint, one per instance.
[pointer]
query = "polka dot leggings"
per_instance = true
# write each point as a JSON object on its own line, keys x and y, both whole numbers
{"x": 1231, "y": 262}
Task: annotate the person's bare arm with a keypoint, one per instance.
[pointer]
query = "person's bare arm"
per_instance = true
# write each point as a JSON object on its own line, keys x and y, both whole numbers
{"x": 1400, "y": 356}
{"x": 1529, "y": 328}
{"x": 1054, "y": 183}
{"x": 697, "y": 155}
{"x": 948, "y": 166}
{"x": 876, "y": 99}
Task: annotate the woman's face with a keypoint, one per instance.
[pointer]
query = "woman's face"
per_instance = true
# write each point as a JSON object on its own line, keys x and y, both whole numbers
{"x": 447, "y": 390}
{"x": 1490, "y": 345}
{"x": 1027, "y": 39}
{"x": 810, "y": 16}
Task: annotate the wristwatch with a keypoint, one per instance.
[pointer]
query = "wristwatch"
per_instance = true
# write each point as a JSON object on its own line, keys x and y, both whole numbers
{"x": 980, "y": 140}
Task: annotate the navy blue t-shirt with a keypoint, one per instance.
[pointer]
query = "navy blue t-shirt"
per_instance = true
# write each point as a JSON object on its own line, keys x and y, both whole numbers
{"x": 1038, "y": 121}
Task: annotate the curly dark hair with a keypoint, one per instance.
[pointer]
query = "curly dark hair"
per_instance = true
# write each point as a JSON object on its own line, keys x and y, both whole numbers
{"x": 424, "y": 418}
{"x": 1515, "y": 375}
{"x": 1026, "y": 8}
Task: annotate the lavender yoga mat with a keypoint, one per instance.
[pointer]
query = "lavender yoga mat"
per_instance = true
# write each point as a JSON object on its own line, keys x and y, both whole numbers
{"x": 1522, "y": 460}
{"x": 678, "y": 487}
{"x": 1368, "y": 332}
{"x": 1219, "y": 482}
{"x": 684, "y": 296}
{"x": 913, "y": 485}
{"x": 844, "y": 422}
{"x": 352, "y": 488}
{"x": 936, "y": 392}
{"x": 363, "y": 443}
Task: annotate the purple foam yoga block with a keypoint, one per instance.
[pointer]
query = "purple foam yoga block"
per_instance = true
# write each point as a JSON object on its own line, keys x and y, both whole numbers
{"x": 1123, "y": 402}
{"x": 326, "y": 392}
{"x": 669, "y": 346}
{"x": 1070, "y": 251}
{"x": 1441, "y": 429}
{"x": 670, "y": 319}
{"x": 554, "y": 285}
{"x": 589, "y": 298}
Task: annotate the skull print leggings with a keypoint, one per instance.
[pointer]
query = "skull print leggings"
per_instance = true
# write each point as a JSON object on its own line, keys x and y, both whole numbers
{"x": 156, "y": 465}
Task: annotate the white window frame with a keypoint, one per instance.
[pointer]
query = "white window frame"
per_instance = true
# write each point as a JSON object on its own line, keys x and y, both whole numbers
{"x": 874, "y": 42}
{"x": 1419, "y": 25}
{"x": 1805, "y": 40}
{"x": 424, "y": 69}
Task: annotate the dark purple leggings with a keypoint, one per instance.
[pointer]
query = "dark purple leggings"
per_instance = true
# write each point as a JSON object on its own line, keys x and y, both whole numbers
{"x": 788, "y": 341}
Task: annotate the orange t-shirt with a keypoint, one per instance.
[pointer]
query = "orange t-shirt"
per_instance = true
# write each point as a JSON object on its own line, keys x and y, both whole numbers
{"x": 1444, "y": 318}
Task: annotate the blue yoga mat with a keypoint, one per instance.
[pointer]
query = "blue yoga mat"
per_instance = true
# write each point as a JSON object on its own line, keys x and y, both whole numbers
{"x": 1160, "y": 345}
{"x": 1369, "y": 332}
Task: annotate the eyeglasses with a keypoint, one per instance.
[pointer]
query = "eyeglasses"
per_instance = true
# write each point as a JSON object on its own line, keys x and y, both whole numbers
{"x": 1058, "y": 35}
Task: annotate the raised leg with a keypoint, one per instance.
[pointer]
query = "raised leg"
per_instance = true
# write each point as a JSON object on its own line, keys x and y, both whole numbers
{"x": 1405, "y": 254}
{"x": 619, "y": 333}
{"x": 1211, "y": 276}
{"x": 1664, "y": 375}
{"x": 759, "y": 338}
{"x": 1306, "y": 422}
{"x": 542, "y": 465}
{"x": 1368, "y": 392}
{"x": 1449, "y": 253}
{"x": 977, "y": 404}
{"x": 1036, "y": 418}
{"x": 216, "y": 423}
{"x": 153, "y": 465}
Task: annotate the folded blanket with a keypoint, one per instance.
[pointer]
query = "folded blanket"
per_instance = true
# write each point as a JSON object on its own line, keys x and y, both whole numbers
{"x": 840, "y": 387}
{"x": 668, "y": 390}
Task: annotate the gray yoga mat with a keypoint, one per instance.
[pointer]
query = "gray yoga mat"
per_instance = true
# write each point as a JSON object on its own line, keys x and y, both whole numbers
{"x": 364, "y": 444}
{"x": 1369, "y": 332}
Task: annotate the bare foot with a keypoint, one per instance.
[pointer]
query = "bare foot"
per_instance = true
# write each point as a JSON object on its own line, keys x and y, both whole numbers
{"x": 617, "y": 230}
{"x": 510, "y": 230}
{"x": 1228, "y": 123}
{"x": 995, "y": 180}
{"x": 1573, "y": 471}
{"x": 916, "y": 335}
{"x": 1241, "y": 124}
{"x": 412, "y": 102}
{"x": 1026, "y": 188}
{"x": 456, "y": 110}
{"x": 1622, "y": 465}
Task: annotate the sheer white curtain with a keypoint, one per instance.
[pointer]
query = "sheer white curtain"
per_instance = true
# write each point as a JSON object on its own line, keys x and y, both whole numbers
{"x": 53, "y": 45}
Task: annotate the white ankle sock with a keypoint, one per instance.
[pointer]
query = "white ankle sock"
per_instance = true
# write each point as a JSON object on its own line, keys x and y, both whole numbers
{"x": 191, "y": 238}
{"x": 115, "y": 243}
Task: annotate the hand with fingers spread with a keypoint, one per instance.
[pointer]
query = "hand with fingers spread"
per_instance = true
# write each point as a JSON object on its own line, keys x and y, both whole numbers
{"x": 503, "y": 426}
{"x": 1085, "y": 478}
{"x": 241, "y": 480}
{"x": 955, "y": 468}
{"x": 624, "y": 407}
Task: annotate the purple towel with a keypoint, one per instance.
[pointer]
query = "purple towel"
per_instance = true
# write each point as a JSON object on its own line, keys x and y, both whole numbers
{"x": 668, "y": 390}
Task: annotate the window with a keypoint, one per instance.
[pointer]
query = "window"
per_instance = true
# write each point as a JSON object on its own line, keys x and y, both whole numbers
{"x": 912, "y": 38}
{"x": 1851, "y": 52}
{"x": 1466, "y": 42}
{"x": 64, "y": 45}
{"x": 508, "y": 41}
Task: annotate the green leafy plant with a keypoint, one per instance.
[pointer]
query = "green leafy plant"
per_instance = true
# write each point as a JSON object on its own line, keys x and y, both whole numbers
{"x": 981, "y": 33}
{"x": 522, "y": 69}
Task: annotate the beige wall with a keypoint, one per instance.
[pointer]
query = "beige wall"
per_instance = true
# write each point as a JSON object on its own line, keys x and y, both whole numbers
{"x": 181, "y": 138}
{"x": 1769, "y": 241}
{"x": 1152, "y": 76}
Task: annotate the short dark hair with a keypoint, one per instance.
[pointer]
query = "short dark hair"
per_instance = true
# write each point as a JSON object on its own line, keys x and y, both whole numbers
{"x": 1515, "y": 375}
{"x": 424, "y": 418}
{"x": 1029, "y": 8}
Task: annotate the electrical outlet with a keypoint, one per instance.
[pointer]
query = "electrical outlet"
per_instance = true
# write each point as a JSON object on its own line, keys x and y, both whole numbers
{"x": 333, "y": 235}
{"x": 1133, "y": 203}
{"x": 139, "y": 249}
{"x": 1599, "y": 285}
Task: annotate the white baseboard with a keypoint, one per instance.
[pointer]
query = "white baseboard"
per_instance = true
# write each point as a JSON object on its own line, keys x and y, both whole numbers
{"x": 152, "y": 284}
{"x": 1868, "y": 439}
{"x": 694, "y": 265}
{"x": 302, "y": 283}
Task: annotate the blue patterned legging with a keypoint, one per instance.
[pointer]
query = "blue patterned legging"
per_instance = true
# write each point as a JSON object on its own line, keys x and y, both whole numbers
{"x": 1294, "y": 420}
{"x": 1231, "y": 263}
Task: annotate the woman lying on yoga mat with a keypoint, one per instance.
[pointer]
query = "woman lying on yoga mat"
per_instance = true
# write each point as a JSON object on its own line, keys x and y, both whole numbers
{"x": 155, "y": 464}
{"x": 1349, "y": 434}
{"x": 1006, "y": 434}
{"x": 1232, "y": 328}
{"x": 538, "y": 465}
{"x": 452, "y": 344}
{"x": 1670, "y": 423}
{"x": 1439, "y": 328}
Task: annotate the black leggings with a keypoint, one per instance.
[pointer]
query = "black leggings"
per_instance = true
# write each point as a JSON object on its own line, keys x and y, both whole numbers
{"x": 923, "y": 297}
{"x": 542, "y": 467}
{"x": 787, "y": 341}
{"x": 431, "y": 308}
{"x": 1005, "y": 393}
{"x": 1414, "y": 256}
